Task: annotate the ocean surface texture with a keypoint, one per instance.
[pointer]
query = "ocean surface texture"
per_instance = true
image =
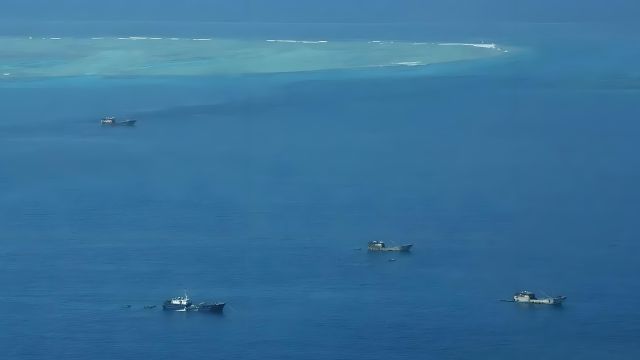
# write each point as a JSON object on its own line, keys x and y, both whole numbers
{"x": 264, "y": 159}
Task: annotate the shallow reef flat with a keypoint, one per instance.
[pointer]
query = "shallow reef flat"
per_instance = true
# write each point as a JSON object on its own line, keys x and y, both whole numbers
{"x": 35, "y": 57}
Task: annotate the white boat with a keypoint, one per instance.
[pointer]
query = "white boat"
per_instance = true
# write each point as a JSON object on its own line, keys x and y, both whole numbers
{"x": 530, "y": 298}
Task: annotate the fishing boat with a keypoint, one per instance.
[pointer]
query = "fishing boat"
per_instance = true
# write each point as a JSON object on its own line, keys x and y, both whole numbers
{"x": 380, "y": 246}
{"x": 184, "y": 303}
{"x": 528, "y": 297}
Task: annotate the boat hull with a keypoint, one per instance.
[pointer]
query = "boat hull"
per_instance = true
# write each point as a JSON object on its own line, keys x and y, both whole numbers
{"x": 214, "y": 308}
{"x": 545, "y": 301}
{"x": 118, "y": 123}
{"x": 401, "y": 248}
{"x": 202, "y": 307}
{"x": 168, "y": 306}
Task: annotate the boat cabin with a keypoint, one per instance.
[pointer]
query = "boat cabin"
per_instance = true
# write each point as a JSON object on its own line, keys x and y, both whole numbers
{"x": 376, "y": 245}
{"x": 180, "y": 300}
{"x": 108, "y": 120}
{"x": 525, "y": 295}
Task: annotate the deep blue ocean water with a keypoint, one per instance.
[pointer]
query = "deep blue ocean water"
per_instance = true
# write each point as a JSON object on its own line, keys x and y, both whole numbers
{"x": 513, "y": 173}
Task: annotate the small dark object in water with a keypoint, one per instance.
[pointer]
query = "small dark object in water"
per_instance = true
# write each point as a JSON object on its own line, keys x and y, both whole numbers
{"x": 150, "y": 306}
{"x": 390, "y": 260}
{"x": 126, "y": 306}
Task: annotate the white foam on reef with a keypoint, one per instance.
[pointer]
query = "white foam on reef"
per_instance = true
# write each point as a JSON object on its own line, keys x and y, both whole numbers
{"x": 409, "y": 63}
{"x": 133, "y": 38}
{"x": 6, "y": 74}
{"x": 55, "y": 38}
{"x": 174, "y": 39}
{"x": 481, "y": 45}
{"x": 155, "y": 38}
{"x": 298, "y": 41}
{"x": 202, "y": 39}
{"x": 96, "y": 38}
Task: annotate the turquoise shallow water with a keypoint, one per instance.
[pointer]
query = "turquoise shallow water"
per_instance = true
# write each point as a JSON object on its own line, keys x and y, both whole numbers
{"x": 260, "y": 190}
{"x": 41, "y": 57}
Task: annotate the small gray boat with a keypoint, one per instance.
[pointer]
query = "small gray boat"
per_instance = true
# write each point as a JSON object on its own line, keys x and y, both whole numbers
{"x": 184, "y": 303}
{"x": 528, "y": 297}
{"x": 112, "y": 121}
{"x": 380, "y": 246}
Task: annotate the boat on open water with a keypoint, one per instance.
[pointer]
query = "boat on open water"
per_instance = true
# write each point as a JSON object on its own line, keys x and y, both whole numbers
{"x": 184, "y": 303}
{"x": 527, "y": 297}
{"x": 112, "y": 121}
{"x": 380, "y": 246}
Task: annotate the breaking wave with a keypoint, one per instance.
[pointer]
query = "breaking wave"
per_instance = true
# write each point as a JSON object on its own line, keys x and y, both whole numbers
{"x": 409, "y": 63}
{"x": 480, "y": 45}
{"x": 299, "y": 41}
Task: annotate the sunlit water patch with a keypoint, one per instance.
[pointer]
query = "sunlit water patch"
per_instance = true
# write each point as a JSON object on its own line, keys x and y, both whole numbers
{"x": 29, "y": 57}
